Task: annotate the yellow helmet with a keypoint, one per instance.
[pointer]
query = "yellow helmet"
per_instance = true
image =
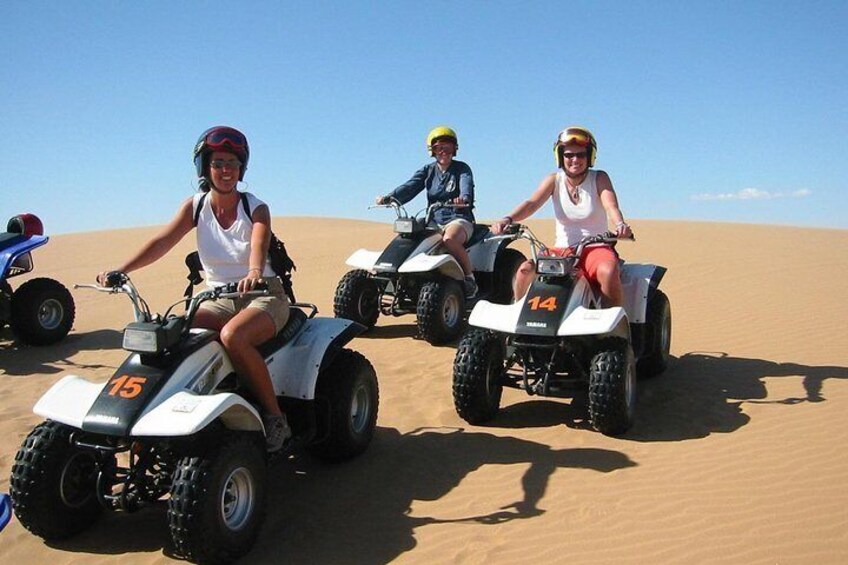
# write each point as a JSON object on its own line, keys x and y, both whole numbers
{"x": 438, "y": 133}
{"x": 580, "y": 136}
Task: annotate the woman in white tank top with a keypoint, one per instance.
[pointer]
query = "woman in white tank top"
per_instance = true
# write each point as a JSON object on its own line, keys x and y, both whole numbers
{"x": 585, "y": 203}
{"x": 233, "y": 246}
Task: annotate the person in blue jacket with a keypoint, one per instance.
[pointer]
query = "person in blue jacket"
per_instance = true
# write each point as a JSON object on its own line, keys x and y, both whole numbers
{"x": 448, "y": 181}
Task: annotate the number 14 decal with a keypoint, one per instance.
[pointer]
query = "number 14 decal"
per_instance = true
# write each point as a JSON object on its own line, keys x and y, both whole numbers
{"x": 126, "y": 386}
{"x": 538, "y": 303}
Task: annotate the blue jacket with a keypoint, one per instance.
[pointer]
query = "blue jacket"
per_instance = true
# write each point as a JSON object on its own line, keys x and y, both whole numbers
{"x": 441, "y": 187}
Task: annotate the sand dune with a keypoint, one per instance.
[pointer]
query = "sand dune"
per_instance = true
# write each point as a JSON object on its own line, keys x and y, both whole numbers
{"x": 736, "y": 455}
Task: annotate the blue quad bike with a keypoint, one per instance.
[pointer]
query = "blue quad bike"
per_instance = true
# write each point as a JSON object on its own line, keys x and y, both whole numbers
{"x": 41, "y": 311}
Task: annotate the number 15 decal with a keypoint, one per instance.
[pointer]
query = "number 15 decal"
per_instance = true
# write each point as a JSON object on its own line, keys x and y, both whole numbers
{"x": 126, "y": 386}
{"x": 537, "y": 303}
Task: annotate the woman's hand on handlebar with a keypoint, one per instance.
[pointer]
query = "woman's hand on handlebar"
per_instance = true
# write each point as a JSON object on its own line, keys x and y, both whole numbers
{"x": 501, "y": 225}
{"x": 251, "y": 281}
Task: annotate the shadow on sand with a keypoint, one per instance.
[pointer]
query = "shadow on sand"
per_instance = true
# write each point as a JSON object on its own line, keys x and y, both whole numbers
{"x": 359, "y": 511}
{"x": 699, "y": 394}
{"x": 702, "y": 393}
{"x": 18, "y": 359}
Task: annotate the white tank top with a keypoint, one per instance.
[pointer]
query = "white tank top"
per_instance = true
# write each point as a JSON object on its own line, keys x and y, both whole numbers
{"x": 576, "y": 221}
{"x": 225, "y": 253}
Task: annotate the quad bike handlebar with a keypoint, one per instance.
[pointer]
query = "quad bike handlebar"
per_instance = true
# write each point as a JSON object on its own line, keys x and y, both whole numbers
{"x": 401, "y": 212}
{"x": 118, "y": 282}
{"x": 521, "y": 231}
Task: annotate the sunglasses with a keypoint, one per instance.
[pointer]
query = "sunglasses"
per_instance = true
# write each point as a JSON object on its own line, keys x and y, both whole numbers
{"x": 568, "y": 155}
{"x": 228, "y": 164}
{"x": 438, "y": 148}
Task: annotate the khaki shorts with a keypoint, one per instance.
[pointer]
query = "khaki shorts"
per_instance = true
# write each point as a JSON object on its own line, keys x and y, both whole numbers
{"x": 467, "y": 226}
{"x": 275, "y": 306}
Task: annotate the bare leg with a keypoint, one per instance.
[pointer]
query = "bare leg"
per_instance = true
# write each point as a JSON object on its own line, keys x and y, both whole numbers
{"x": 523, "y": 279}
{"x": 240, "y": 337}
{"x": 454, "y": 239}
{"x": 609, "y": 279}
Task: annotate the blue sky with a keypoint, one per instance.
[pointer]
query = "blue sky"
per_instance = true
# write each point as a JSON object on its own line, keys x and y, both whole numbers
{"x": 717, "y": 111}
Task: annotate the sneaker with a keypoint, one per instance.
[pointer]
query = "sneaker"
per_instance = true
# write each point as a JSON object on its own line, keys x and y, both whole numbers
{"x": 470, "y": 287}
{"x": 277, "y": 432}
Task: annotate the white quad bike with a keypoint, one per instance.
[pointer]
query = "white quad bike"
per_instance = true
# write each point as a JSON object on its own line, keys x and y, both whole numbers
{"x": 174, "y": 423}
{"x": 416, "y": 275}
{"x": 558, "y": 335}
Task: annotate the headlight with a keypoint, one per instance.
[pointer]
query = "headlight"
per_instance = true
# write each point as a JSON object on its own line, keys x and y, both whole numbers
{"x": 141, "y": 339}
{"x": 153, "y": 337}
{"x": 405, "y": 225}
{"x": 552, "y": 266}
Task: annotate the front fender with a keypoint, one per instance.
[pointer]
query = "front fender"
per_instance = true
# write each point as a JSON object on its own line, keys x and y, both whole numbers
{"x": 423, "y": 263}
{"x": 604, "y": 321}
{"x": 68, "y": 400}
{"x": 363, "y": 259}
{"x": 186, "y": 413}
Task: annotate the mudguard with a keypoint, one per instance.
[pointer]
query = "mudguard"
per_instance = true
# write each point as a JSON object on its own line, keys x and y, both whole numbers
{"x": 444, "y": 264}
{"x": 363, "y": 259}
{"x": 498, "y": 317}
{"x": 68, "y": 401}
{"x": 16, "y": 246}
{"x": 186, "y": 413}
{"x": 483, "y": 254}
{"x": 5, "y": 510}
{"x": 295, "y": 367}
{"x": 603, "y": 321}
{"x": 638, "y": 282}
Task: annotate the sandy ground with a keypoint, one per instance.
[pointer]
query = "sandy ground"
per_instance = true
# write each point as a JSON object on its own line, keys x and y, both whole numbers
{"x": 737, "y": 454}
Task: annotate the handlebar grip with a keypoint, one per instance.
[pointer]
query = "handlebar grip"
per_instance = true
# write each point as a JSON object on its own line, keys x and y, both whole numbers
{"x": 114, "y": 279}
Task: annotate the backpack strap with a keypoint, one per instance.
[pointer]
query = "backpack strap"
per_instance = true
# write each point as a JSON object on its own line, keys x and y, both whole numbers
{"x": 199, "y": 206}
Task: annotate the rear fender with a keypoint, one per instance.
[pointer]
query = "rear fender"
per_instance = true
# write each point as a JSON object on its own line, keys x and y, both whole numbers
{"x": 638, "y": 283}
{"x": 17, "y": 249}
{"x": 484, "y": 253}
{"x": 295, "y": 367}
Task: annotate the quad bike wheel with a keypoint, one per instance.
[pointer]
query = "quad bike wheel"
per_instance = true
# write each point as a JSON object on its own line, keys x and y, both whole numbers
{"x": 53, "y": 484}
{"x": 612, "y": 387}
{"x": 357, "y": 298}
{"x": 349, "y": 388}
{"x": 658, "y": 321}
{"x": 42, "y": 311}
{"x": 506, "y": 267}
{"x": 477, "y": 372}
{"x": 217, "y": 502}
{"x": 441, "y": 311}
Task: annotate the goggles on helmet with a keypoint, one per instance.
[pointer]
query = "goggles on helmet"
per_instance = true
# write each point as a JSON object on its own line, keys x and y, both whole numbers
{"x": 221, "y": 138}
{"x": 574, "y": 135}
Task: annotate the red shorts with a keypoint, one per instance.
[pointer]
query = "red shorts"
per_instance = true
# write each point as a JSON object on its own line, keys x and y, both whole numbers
{"x": 591, "y": 259}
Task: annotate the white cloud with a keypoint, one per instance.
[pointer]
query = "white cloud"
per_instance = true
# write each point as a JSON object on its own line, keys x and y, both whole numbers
{"x": 752, "y": 194}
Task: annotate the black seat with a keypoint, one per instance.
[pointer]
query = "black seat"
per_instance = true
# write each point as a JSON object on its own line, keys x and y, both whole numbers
{"x": 480, "y": 233}
{"x": 297, "y": 318}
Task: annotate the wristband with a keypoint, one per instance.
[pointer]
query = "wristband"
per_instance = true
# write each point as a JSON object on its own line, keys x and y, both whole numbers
{"x": 508, "y": 218}
{"x": 257, "y": 269}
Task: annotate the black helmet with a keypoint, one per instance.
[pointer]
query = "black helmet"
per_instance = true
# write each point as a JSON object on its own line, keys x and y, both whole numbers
{"x": 220, "y": 138}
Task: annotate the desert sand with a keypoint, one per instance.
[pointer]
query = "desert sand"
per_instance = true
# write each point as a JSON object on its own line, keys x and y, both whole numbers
{"x": 737, "y": 454}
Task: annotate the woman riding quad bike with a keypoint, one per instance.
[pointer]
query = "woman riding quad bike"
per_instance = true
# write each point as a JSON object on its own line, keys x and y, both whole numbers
{"x": 560, "y": 334}
{"x": 416, "y": 275}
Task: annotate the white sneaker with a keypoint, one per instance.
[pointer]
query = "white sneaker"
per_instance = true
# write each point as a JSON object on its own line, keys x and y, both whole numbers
{"x": 277, "y": 432}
